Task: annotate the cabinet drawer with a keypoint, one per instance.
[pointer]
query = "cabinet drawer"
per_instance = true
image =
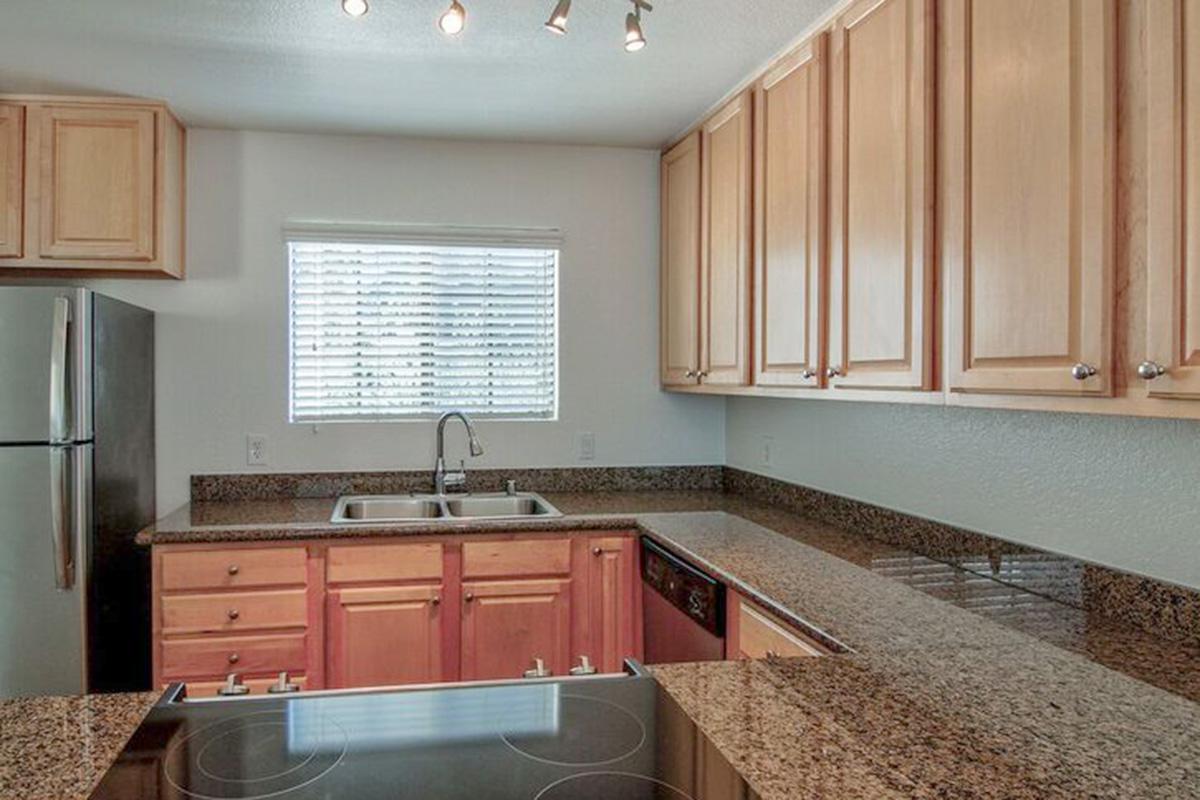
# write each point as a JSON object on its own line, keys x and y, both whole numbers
{"x": 511, "y": 558}
{"x": 208, "y": 687}
{"x": 384, "y": 562}
{"x": 234, "y": 611}
{"x": 760, "y": 635}
{"x": 232, "y": 568}
{"x": 184, "y": 658}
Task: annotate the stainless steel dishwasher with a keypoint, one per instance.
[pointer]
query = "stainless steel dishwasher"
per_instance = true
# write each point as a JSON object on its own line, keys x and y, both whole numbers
{"x": 684, "y": 609}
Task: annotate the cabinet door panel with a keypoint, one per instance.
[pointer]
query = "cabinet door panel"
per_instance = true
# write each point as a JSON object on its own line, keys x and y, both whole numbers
{"x": 1027, "y": 141}
{"x": 507, "y": 624}
{"x": 881, "y": 276}
{"x": 1173, "y": 214}
{"x": 612, "y": 601}
{"x": 384, "y": 636}
{"x": 97, "y": 183}
{"x": 789, "y": 285}
{"x": 680, "y": 301}
{"x": 725, "y": 234}
{"x": 12, "y": 170}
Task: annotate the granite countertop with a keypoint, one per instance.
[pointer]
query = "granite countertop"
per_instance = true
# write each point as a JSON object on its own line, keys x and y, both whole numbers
{"x": 943, "y": 696}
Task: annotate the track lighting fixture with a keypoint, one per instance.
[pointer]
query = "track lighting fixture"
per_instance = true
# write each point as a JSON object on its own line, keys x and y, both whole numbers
{"x": 634, "y": 38}
{"x": 355, "y": 8}
{"x": 558, "y": 18}
{"x": 454, "y": 19}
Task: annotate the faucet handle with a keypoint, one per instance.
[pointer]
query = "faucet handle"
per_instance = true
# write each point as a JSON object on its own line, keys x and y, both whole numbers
{"x": 510, "y": 488}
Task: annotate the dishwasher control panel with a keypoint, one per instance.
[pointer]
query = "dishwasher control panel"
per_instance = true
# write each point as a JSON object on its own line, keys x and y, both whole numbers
{"x": 684, "y": 586}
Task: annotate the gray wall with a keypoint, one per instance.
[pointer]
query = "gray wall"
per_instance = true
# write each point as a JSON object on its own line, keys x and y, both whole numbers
{"x": 1119, "y": 491}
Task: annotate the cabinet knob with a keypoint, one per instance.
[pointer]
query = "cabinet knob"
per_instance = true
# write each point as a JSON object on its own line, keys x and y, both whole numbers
{"x": 702, "y": 374}
{"x": 435, "y": 600}
{"x": 596, "y": 551}
{"x": 832, "y": 372}
{"x": 234, "y": 658}
{"x": 691, "y": 373}
{"x": 1081, "y": 371}
{"x": 468, "y": 597}
{"x": 234, "y": 569}
{"x": 808, "y": 374}
{"x": 232, "y": 613}
{"x": 1149, "y": 370}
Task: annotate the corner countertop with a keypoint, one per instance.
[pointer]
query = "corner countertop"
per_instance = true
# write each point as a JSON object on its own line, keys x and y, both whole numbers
{"x": 937, "y": 699}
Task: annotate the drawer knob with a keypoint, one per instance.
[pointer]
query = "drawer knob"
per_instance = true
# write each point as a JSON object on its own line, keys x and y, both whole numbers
{"x": 435, "y": 600}
{"x": 596, "y": 551}
{"x": 832, "y": 372}
{"x": 234, "y": 569}
{"x": 808, "y": 374}
{"x": 234, "y": 658}
{"x": 1081, "y": 371}
{"x": 1149, "y": 370}
{"x": 232, "y": 613}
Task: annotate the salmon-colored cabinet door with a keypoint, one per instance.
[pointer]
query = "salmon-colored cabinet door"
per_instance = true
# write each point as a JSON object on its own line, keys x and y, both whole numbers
{"x": 680, "y": 270}
{"x": 12, "y": 170}
{"x": 881, "y": 276}
{"x": 384, "y": 636}
{"x": 507, "y": 625}
{"x": 1028, "y": 134}
{"x": 612, "y": 601}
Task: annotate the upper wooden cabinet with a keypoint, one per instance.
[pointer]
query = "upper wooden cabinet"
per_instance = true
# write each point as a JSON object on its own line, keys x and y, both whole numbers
{"x": 12, "y": 171}
{"x": 103, "y": 188}
{"x": 725, "y": 229}
{"x": 789, "y": 226}
{"x": 680, "y": 281}
{"x": 1170, "y": 365}
{"x": 881, "y": 196}
{"x": 1027, "y": 143}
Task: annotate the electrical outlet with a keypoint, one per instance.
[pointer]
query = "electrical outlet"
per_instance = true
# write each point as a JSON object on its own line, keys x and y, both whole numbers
{"x": 587, "y": 447}
{"x": 767, "y": 452}
{"x": 256, "y": 450}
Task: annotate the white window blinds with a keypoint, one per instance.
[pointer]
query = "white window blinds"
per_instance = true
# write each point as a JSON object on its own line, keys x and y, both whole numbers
{"x": 398, "y": 330}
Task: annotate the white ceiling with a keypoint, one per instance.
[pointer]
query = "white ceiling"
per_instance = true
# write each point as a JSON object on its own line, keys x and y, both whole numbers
{"x": 304, "y": 65}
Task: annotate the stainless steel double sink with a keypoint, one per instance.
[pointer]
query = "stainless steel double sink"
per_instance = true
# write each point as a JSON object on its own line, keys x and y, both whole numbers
{"x": 414, "y": 508}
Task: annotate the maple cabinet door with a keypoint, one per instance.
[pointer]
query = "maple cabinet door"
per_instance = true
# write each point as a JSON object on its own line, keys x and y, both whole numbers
{"x": 881, "y": 196}
{"x": 1171, "y": 365}
{"x": 384, "y": 636}
{"x": 96, "y": 182}
{"x": 1027, "y": 207}
{"x": 12, "y": 170}
{"x": 680, "y": 271}
{"x": 725, "y": 227}
{"x": 613, "y": 608}
{"x": 506, "y": 625}
{"x": 790, "y": 275}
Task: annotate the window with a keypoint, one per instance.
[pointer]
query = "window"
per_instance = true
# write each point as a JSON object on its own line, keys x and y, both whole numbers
{"x": 396, "y": 328}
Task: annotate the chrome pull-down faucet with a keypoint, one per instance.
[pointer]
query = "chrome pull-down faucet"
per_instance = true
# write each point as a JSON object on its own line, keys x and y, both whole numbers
{"x": 442, "y": 479}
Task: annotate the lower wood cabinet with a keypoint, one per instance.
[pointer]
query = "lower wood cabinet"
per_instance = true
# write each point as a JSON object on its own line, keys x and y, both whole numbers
{"x": 386, "y": 613}
{"x": 752, "y": 632}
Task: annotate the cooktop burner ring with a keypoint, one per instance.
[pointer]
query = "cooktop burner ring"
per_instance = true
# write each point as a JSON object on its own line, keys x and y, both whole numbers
{"x": 625, "y": 713}
{"x": 334, "y": 738}
{"x": 547, "y": 792}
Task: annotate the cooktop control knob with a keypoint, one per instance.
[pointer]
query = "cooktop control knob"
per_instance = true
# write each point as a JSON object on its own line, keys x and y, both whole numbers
{"x": 233, "y": 686}
{"x": 283, "y": 685}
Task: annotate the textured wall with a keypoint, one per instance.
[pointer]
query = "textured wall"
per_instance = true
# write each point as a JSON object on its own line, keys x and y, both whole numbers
{"x": 1119, "y": 491}
{"x": 222, "y": 333}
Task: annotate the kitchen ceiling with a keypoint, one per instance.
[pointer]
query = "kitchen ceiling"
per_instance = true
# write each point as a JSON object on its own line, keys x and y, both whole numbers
{"x": 304, "y": 65}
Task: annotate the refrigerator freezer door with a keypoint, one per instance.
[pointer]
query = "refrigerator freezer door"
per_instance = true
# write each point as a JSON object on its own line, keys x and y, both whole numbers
{"x": 45, "y": 358}
{"x": 44, "y": 531}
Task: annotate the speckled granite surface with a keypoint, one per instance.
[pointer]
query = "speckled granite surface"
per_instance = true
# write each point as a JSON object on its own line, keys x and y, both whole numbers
{"x": 57, "y": 748}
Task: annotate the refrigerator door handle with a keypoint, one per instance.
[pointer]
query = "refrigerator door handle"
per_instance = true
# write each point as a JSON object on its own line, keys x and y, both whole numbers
{"x": 58, "y": 370}
{"x": 60, "y": 520}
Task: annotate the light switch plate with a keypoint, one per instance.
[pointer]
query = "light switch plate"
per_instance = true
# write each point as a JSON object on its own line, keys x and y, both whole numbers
{"x": 587, "y": 447}
{"x": 256, "y": 450}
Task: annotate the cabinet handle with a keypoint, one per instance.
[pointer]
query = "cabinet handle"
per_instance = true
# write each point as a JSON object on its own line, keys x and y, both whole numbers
{"x": 234, "y": 569}
{"x": 691, "y": 373}
{"x": 772, "y": 654}
{"x": 435, "y": 600}
{"x": 1149, "y": 370}
{"x": 232, "y": 613}
{"x": 832, "y": 372}
{"x": 702, "y": 375}
{"x": 808, "y": 374}
{"x": 468, "y": 597}
{"x": 596, "y": 551}
{"x": 234, "y": 658}
{"x": 1081, "y": 371}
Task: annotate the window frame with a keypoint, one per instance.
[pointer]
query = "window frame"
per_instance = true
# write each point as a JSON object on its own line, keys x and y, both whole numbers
{"x": 427, "y": 235}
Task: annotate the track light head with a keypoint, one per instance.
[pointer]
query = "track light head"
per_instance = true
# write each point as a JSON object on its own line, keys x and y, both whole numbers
{"x": 634, "y": 38}
{"x": 558, "y": 18}
{"x": 454, "y": 19}
{"x": 355, "y": 8}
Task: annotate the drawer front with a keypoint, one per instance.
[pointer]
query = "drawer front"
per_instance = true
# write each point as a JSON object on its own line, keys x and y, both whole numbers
{"x": 384, "y": 562}
{"x": 232, "y": 568}
{"x": 208, "y": 687}
{"x": 503, "y": 559}
{"x": 761, "y": 635}
{"x": 187, "y": 658}
{"x": 233, "y": 611}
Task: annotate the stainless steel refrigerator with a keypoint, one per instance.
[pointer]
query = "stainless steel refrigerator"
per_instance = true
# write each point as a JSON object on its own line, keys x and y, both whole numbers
{"x": 76, "y": 485}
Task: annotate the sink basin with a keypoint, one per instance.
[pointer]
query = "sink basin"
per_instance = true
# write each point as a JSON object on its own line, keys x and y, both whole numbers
{"x": 440, "y": 508}
{"x": 500, "y": 505}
